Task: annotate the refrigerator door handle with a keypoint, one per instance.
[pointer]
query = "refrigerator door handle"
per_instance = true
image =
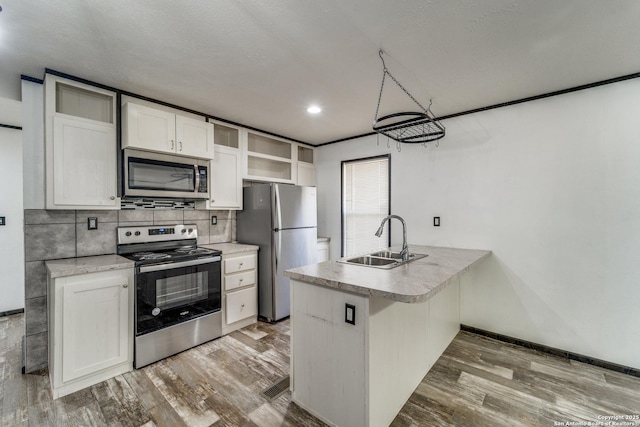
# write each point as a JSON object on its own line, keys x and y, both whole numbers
{"x": 278, "y": 249}
{"x": 278, "y": 211}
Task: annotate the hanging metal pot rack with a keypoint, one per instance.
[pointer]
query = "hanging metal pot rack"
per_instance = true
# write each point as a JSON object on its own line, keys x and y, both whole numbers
{"x": 409, "y": 127}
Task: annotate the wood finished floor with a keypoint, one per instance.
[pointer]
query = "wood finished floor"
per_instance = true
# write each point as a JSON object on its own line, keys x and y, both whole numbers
{"x": 477, "y": 382}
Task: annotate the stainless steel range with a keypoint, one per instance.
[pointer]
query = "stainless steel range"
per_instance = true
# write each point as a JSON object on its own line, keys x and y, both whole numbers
{"x": 178, "y": 290}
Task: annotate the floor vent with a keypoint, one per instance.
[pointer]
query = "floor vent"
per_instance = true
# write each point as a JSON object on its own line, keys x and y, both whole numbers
{"x": 274, "y": 391}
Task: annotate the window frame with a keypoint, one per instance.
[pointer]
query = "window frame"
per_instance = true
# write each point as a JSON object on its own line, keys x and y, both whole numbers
{"x": 342, "y": 207}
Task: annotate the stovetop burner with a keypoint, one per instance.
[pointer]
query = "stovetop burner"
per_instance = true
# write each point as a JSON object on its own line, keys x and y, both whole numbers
{"x": 191, "y": 250}
{"x": 179, "y": 254}
{"x": 144, "y": 256}
{"x": 161, "y": 244}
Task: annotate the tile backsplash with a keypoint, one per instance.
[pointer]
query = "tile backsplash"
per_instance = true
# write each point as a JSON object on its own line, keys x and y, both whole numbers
{"x": 53, "y": 234}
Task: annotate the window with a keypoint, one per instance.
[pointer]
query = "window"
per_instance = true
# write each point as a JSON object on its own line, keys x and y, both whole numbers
{"x": 365, "y": 202}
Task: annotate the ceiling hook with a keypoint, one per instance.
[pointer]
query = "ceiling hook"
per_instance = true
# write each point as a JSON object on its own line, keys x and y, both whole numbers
{"x": 384, "y": 66}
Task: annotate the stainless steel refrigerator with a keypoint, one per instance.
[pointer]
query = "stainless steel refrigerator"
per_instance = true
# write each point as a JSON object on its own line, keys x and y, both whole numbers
{"x": 282, "y": 220}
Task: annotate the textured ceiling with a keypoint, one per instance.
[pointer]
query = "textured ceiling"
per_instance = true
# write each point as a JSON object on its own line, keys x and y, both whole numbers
{"x": 260, "y": 63}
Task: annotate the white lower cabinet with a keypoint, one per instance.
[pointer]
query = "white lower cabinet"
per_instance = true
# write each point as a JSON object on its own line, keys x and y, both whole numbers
{"x": 90, "y": 329}
{"x": 361, "y": 374}
{"x": 239, "y": 286}
{"x": 241, "y": 304}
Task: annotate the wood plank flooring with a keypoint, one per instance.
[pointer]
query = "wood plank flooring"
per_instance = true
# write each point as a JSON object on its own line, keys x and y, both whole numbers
{"x": 477, "y": 382}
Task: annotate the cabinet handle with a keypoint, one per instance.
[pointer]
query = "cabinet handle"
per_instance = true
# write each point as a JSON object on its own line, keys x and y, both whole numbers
{"x": 242, "y": 306}
{"x": 241, "y": 280}
{"x": 112, "y": 197}
{"x": 180, "y": 142}
{"x": 172, "y": 144}
{"x": 125, "y": 286}
{"x": 241, "y": 264}
{"x": 212, "y": 200}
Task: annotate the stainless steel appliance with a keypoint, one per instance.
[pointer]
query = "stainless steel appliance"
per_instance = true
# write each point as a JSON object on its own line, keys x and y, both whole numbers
{"x": 178, "y": 290}
{"x": 148, "y": 174}
{"x": 282, "y": 220}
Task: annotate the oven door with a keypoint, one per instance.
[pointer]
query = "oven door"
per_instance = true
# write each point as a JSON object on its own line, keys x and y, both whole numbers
{"x": 172, "y": 293}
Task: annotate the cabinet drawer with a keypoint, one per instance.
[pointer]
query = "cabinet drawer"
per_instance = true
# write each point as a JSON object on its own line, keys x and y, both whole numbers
{"x": 238, "y": 280}
{"x": 241, "y": 304}
{"x": 242, "y": 263}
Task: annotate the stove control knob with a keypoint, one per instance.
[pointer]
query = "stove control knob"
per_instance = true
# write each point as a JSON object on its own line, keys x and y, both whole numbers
{"x": 190, "y": 230}
{"x": 128, "y": 233}
{"x": 137, "y": 233}
{"x": 184, "y": 230}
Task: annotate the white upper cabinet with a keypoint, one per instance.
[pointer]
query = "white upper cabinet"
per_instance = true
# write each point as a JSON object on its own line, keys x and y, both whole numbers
{"x": 225, "y": 171}
{"x": 306, "y": 169}
{"x": 80, "y": 146}
{"x": 269, "y": 159}
{"x": 148, "y": 128}
{"x": 195, "y": 137}
{"x": 159, "y": 130}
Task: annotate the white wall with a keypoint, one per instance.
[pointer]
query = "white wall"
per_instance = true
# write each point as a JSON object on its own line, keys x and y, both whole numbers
{"x": 11, "y": 234}
{"x": 33, "y": 144}
{"x": 552, "y": 187}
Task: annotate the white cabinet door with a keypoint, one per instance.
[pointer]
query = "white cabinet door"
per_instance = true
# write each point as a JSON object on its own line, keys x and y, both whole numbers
{"x": 226, "y": 179}
{"x": 241, "y": 304}
{"x": 237, "y": 263}
{"x": 306, "y": 174}
{"x": 194, "y": 137}
{"x": 239, "y": 280}
{"x": 95, "y": 324}
{"x": 84, "y": 165}
{"x": 148, "y": 128}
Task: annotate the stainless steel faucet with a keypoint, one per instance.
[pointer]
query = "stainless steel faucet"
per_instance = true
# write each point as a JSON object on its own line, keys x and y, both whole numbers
{"x": 404, "y": 253}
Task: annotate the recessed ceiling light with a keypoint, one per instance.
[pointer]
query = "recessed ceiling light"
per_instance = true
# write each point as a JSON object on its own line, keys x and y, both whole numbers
{"x": 314, "y": 109}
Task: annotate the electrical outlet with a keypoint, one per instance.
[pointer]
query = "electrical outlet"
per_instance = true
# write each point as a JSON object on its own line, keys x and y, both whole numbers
{"x": 350, "y": 314}
{"x": 436, "y": 221}
{"x": 214, "y": 220}
{"x": 3, "y": 220}
{"x": 92, "y": 223}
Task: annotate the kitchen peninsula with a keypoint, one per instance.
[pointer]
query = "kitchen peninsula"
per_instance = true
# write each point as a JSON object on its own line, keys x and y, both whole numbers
{"x": 363, "y": 338}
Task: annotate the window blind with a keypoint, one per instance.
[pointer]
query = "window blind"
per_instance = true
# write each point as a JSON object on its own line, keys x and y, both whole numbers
{"x": 365, "y": 202}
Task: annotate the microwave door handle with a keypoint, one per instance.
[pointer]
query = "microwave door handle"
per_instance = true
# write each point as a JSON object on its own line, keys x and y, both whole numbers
{"x": 196, "y": 178}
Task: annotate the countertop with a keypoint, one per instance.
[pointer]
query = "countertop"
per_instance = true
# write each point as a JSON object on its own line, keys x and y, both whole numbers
{"x": 413, "y": 282}
{"x": 231, "y": 248}
{"x": 85, "y": 265}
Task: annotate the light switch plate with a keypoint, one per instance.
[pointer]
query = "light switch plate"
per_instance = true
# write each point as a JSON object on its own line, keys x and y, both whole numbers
{"x": 3, "y": 220}
{"x": 214, "y": 220}
{"x": 92, "y": 223}
{"x": 350, "y": 313}
{"x": 436, "y": 221}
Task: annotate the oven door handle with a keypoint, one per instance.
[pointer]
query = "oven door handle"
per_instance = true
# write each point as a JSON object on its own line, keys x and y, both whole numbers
{"x": 172, "y": 265}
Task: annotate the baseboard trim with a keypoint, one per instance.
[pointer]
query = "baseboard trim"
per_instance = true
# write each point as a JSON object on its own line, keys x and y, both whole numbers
{"x": 555, "y": 351}
{"x": 10, "y": 312}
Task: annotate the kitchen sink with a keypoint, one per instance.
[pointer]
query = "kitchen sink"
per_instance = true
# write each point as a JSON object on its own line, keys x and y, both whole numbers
{"x": 386, "y": 259}
{"x": 371, "y": 261}
{"x": 387, "y": 254}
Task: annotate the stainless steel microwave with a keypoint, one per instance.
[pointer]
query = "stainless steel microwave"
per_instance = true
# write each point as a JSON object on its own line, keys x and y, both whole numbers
{"x": 157, "y": 175}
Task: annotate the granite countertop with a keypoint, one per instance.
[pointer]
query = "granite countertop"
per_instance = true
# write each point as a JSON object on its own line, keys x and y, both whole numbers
{"x": 413, "y": 282}
{"x": 323, "y": 239}
{"x": 84, "y": 265}
{"x": 231, "y": 248}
